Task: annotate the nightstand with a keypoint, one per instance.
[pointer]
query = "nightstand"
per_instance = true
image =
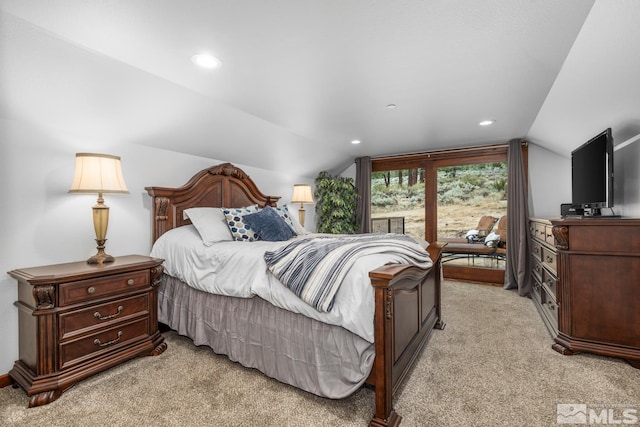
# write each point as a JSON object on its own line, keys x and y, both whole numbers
{"x": 78, "y": 319}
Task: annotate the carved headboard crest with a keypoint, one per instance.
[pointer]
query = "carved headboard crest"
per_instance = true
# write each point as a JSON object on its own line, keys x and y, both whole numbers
{"x": 223, "y": 185}
{"x": 229, "y": 170}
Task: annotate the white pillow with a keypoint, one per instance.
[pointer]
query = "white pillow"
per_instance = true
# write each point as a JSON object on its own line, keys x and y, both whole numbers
{"x": 492, "y": 239}
{"x": 297, "y": 227}
{"x": 210, "y": 223}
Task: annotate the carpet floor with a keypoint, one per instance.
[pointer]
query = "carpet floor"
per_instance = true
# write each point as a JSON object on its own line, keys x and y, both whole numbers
{"x": 491, "y": 366}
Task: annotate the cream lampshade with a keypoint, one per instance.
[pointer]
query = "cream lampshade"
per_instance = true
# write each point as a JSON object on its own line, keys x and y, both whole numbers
{"x": 99, "y": 173}
{"x": 302, "y": 195}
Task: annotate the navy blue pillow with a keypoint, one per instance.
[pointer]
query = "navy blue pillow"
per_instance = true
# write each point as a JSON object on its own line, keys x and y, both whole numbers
{"x": 268, "y": 225}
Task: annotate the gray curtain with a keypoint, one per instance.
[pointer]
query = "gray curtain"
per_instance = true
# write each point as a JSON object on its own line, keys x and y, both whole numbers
{"x": 363, "y": 185}
{"x": 517, "y": 269}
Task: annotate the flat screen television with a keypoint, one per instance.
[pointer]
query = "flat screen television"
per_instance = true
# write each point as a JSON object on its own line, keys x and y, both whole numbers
{"x": 592, "y": 174}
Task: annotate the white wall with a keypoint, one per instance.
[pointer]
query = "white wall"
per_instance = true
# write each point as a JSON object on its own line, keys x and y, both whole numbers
{"x": 626, "y": 171}
{"x": 549, "y": 182}
{"x": 596, "y": 88}
{"x": 41, "y": 223}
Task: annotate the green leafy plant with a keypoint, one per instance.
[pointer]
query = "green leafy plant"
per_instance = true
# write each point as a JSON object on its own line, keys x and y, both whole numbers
{"x": 336, "y": 199}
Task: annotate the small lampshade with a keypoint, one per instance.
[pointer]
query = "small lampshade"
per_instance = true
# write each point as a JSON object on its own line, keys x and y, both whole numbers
{"x": 98, "y": 173}
{"x": 301, "y": 194}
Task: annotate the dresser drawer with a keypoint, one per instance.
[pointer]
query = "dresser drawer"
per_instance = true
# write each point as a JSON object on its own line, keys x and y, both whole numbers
{"x": 549, "y": 259}
{"x": 535, "y": 293}
{"x": 539, "y": 231}
{"x": 102, "y": 315}
{"x": 550, "y": 282}
{"x": 548, "y": 235}
{"x": 549, "y": 308}
{"x": 90, "y": 289}
{"x": 536, "y": 250}
{"x": 546, "y": 305}
{"x": 102, "y": 342}
{"x": 536, "y": 269}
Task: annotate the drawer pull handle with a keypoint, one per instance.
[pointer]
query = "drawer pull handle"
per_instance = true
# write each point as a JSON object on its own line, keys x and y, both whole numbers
{"x": 549, "y": 259}
{"x": 130, "y": 282}
{"x": 91, "y": 289}
{"x": 101, "y": 344}
{"x": 97, "y": 314}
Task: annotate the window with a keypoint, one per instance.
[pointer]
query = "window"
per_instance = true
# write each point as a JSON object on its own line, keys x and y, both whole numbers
{"x": 468, "y": 192}
{"x": 439, "y": 194}
{"x": 397, "y": 201}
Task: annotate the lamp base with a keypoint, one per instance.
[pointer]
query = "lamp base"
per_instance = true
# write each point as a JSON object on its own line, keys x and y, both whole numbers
{"x": 101, "y": 257}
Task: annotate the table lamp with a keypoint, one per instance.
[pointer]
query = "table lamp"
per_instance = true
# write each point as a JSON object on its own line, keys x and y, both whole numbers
{"x": 302, "y": 195}
{"x": 99, "y": 173}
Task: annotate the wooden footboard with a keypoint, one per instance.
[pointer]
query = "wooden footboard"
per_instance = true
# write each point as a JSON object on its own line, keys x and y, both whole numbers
{"x": 407, "y": 309}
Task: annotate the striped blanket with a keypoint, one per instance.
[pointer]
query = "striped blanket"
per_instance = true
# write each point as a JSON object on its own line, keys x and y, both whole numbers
{"x": 314, "y": 267}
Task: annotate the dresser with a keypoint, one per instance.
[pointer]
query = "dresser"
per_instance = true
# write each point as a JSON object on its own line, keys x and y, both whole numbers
{"x": 544, "y": 266}
{"x": 78, "y": 319}
{"x": 586, "y": 284}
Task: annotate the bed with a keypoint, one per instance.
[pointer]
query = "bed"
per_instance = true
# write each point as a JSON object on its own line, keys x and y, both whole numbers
{"x": 316, "y": 352}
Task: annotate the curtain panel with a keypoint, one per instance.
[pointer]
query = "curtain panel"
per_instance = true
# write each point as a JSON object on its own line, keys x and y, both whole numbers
{"x": 363, "y": 186}
{"x": 517, "y": 268}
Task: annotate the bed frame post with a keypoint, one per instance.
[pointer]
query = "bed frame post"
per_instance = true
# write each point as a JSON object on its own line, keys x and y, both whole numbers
{"x": 385, "y": 415}
{"x": 416, "y": 292}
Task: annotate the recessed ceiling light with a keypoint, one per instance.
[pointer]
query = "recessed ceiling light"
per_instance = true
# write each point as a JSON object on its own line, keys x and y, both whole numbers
{"x": 206, "y": 60}
{"x": 391, "y": 106}
{"x": 355, "y": 141}
{"x": 486, "y": 122}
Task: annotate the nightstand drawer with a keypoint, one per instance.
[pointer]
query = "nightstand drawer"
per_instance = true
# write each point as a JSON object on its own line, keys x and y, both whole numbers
{"x": 99, "y": 316}
{"x": 103, "y": 342}
{"x": 86, "y": 290}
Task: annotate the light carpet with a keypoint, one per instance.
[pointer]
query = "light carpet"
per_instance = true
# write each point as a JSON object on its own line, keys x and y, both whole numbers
{"x": 491, "y": 366}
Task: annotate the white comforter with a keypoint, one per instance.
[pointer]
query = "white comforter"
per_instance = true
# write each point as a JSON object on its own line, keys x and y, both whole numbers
{"x": 238, "y": 269}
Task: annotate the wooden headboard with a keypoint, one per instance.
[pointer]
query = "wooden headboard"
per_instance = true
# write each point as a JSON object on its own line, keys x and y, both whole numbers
{"x": 219, "y": 186}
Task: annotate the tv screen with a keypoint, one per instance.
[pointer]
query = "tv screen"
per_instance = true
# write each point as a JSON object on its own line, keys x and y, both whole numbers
{"x": 592, "y": 174}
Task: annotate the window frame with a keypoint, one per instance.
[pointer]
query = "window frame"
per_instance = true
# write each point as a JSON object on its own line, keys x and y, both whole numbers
{"x": 433, "y": 160}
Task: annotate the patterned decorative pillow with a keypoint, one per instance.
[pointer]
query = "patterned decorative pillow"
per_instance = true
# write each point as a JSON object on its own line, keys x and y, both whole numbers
{"x": 239, "y": 230}
{"x": 293, "y": 217}
{"x": 284, "y": 214}
{"x": 268, "y": 225}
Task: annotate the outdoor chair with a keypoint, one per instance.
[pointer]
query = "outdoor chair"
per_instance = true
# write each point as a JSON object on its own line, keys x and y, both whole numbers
{"x": 477, "y": 234}
{"x": 492, "y": 245}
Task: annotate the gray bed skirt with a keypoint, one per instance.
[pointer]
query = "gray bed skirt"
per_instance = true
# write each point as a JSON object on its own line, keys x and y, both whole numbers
{"x": 323, "y": 359}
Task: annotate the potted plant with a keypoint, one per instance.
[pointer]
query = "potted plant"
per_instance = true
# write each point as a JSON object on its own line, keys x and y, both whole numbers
{"x": 336, "y": 199}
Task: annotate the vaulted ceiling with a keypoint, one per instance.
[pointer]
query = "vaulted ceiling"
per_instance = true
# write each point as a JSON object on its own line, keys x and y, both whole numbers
{"x": 300, "y": 79}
